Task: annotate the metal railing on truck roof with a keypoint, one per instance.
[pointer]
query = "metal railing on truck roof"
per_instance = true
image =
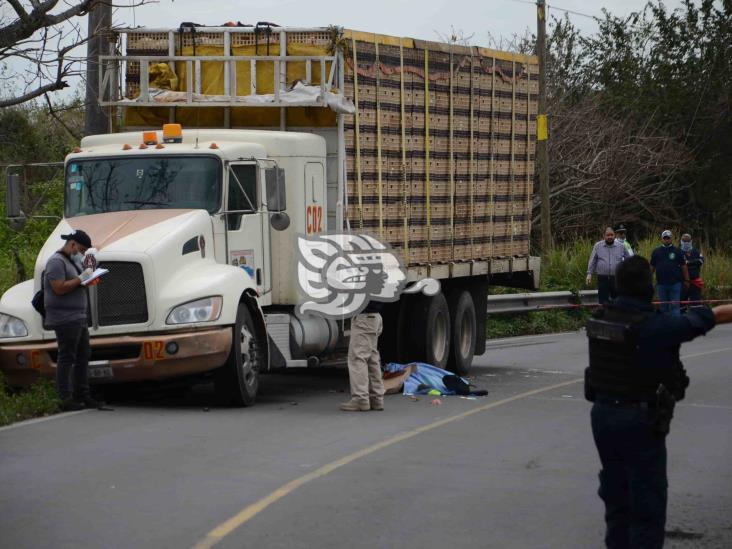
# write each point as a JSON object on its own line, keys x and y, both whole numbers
{"x": 191, "y": 49}
{"x": 113, "y": 91}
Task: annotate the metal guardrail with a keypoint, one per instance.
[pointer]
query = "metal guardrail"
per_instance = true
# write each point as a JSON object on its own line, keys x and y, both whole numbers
{"x": 528, "y": 302}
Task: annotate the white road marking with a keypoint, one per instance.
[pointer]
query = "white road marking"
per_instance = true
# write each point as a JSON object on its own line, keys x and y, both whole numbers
{"x": 705, "y": 353}
{"x": 28, "y": 422}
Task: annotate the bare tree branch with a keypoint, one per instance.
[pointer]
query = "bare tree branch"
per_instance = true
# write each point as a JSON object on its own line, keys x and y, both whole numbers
{"x": 22, "y": 14}
{"x": 53, "y": 112}
{"x": 53, "y": 86}
{"x": 605, "y": 170}
{"x": 38, "y": 19}
{"x": 62, "y": 71}
{"x": 42, "y": 38}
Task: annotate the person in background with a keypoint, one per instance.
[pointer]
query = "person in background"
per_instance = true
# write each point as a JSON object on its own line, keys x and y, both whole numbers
{"x": 606, "y": 255}
{"x": 672, "y": 275}
{"x": 66, "y": 302}
{"x": 620, "y": 237}
{"x": 694, "y": 262}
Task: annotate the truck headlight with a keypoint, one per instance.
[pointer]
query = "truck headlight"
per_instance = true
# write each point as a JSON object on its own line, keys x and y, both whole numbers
{"x": 11, "y": 326}
{"x": 201, "y": 310}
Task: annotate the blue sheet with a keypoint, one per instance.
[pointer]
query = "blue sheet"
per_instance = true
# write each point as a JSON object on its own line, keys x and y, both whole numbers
{"x": 426, "y": 374}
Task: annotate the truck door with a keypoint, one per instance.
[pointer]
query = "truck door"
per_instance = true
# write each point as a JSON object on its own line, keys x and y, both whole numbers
{"x": 246, "y": 223}
{"x": 315, "y": 203}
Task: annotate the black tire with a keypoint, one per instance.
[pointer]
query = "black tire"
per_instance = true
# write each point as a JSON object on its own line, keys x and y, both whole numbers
{"x": 237, "y": 381}
{"x": 463, "y": 323}
{"x": 405, "y": 350}
{"x": 430, "y": 334}
{"x": 389, "y": 340}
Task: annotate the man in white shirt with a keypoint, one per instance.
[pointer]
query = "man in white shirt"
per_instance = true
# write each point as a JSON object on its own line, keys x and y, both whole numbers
{"x": 606, "y": 255}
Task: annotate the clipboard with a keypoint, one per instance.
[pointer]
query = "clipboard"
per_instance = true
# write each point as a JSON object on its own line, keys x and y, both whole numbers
{"x": 96, "y": 274}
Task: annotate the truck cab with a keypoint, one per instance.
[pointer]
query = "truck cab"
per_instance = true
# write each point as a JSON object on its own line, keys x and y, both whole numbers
{"x": 194, "y": 227}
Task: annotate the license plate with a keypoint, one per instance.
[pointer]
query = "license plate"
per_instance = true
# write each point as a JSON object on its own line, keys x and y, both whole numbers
{"x": 101, "y": 372}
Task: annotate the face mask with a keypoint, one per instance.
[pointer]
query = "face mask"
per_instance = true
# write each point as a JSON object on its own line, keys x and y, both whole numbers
{"x": 686, "y": 246}
{"x": 619, "y": 239}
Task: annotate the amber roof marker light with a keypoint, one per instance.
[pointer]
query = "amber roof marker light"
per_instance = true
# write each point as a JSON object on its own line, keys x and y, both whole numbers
{"x": 150, "y": 138}
{"x": 172, "y": 133}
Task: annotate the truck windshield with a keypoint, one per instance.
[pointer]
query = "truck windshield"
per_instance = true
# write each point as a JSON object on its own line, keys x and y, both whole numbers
{"x": 114, "y": 184}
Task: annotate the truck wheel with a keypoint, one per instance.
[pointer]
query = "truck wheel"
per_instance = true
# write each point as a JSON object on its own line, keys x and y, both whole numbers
{"x": 430, "y": 319}
{"x": 237, "y": 381}
{"x": 463, "y": 336}
{"x": 389, "y": 340}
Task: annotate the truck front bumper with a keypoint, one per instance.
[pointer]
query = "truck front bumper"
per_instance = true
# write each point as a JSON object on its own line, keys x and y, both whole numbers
{"x": 119, "y": 359}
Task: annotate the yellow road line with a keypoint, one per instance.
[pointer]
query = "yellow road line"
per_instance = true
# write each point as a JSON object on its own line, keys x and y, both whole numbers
{"x": 251, "y": 511}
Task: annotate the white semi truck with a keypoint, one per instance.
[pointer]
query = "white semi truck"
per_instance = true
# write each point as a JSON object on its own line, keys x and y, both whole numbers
{"x": 426, "y": 146}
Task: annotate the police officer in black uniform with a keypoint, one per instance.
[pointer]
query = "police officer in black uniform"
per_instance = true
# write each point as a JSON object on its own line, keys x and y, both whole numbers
{"x": 634, "y": 379}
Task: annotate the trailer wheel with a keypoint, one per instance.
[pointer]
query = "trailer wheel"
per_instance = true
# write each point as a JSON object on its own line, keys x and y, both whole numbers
{"x": 389, "y": 340}
{"x": 463, "y": 336}
{"x": 237, "y": 381}
{"x": 430, "y": 318}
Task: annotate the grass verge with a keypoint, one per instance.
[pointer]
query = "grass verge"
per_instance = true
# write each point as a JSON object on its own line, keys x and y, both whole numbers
{"x": 539, "y": 322}
{"x": 38, "y": 400}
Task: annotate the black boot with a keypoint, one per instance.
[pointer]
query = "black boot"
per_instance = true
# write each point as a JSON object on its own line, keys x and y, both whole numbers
{"x": 70, "y": 405}
{"x": 89, "y": 402}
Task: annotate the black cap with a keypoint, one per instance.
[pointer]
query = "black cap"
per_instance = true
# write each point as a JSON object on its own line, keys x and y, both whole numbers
{"x": 78, "y": 236}
{"x": 620, "y": 228}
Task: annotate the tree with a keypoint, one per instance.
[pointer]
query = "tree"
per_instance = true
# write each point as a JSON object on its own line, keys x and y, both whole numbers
{"x": 641, "y": 121}
{"x": 38, "y": 43}
{"x": 607, "y": 163}
{"x": 29, "y": 137}
{"x": 673, "y": 69}
{"x": 604, "y": 170}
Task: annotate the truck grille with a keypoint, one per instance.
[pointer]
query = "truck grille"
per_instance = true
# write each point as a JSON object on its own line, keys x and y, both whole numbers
{"x": 122, "y": 298}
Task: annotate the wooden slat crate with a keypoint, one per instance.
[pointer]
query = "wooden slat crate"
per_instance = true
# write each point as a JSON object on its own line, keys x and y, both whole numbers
{"x": 441, "y": 254}
{"x": 477, "y": 208}
{"x": 418, "y": 256}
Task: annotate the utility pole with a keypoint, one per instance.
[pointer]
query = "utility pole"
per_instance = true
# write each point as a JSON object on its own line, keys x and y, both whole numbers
{"x": 96, "y": 119}
{"x": 542, "y": 131}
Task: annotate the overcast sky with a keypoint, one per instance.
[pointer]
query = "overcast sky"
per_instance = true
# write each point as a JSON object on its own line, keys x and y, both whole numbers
{"x": 413, "y": 18}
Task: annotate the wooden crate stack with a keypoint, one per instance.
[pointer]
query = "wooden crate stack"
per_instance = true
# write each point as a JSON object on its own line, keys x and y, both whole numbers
{"x": 444, "y": 198}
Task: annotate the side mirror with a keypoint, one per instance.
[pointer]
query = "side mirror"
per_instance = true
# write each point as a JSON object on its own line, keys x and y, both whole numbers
{"x": 12, "y": 202}
{"x": 279, "y": 221}
{"x": 12, "y": 196}
{"x": 276, "y": 191}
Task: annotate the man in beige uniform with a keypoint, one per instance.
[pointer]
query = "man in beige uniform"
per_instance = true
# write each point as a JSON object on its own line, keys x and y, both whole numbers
{"x": 364, "y": 362}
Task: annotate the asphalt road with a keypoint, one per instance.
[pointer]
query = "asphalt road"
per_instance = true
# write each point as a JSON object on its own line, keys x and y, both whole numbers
{"x": 515, "y": 469}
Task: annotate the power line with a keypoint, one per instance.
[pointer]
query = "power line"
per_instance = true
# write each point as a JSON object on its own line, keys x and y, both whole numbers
{"x": 553, "y": 7}
{"x": 595, "y": 18}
